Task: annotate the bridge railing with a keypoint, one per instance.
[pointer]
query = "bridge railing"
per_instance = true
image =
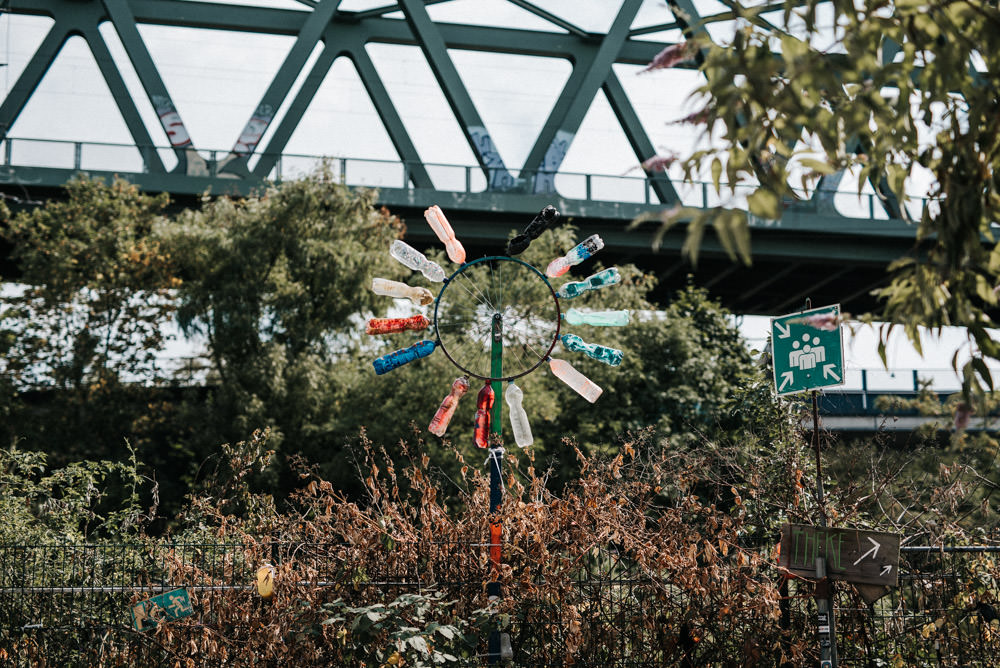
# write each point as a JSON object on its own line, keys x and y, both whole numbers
{"x": 628, "y": 187}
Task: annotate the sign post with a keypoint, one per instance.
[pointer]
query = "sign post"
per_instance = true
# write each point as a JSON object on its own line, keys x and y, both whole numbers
{"x": 808, "y": 354}
{"x": 808, "y": 350}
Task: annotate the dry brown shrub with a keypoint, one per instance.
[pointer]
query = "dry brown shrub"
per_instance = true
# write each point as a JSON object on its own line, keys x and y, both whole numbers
{"x": 633, "y": 561}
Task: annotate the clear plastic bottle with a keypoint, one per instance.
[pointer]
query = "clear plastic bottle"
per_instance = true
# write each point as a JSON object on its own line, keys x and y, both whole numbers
{"x": 610, "y": 356}
{"x": 575, "y": 256}
{"x": 417, "y": 323}
{"x": 396, "y": 359}
{"x": 514, "y": 397}
{"x": 417, "y": 261}
{"x": 596, "y": 318}
{"x": 441, "y": 419}
{"x": 565, "y": 372}
{"x": 484, "y": 415}
{"x": 601, "y": 279}
{"x": 385, "y": 287}
{"x": 442, "y": 228}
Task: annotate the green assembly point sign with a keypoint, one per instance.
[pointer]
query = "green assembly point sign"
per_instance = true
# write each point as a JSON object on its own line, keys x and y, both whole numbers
{"x": 171, "y": 605}
{"x": 808, "y": 350}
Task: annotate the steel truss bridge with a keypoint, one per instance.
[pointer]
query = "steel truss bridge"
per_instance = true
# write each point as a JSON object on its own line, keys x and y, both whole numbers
{"x": 816, "y": 250}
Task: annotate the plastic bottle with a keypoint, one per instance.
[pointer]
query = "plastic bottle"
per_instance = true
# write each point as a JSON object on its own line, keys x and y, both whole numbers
{"x": 442, "y": 228}
{"x": 514, "y": 397}
{"x": 393, "y": 360}
{"x": 416, "y": 323}
{"x": 565, "y": 372}
{"x": 441, "y": 419}
{"x": 596, "y": 318}
{"x": 601, "y": 279}
{"x": 484, "y": 413}
{"x": 417, "y": 261}
{"x": 576, "y": 255}
{"x": 419, "y": 296}
{"x": 610, "y": 356}
{"x": 546, "y": 218}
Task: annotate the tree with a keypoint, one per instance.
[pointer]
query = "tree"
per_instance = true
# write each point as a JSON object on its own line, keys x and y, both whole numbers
{"x": 277, "y": 286}
{"x": 896, "y": 93}
{"x": 95, "y": 289}
{"x": 274, "y": 283}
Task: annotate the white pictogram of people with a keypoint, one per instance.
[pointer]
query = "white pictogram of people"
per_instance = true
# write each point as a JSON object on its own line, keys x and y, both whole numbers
{"x": 806, "y": 354}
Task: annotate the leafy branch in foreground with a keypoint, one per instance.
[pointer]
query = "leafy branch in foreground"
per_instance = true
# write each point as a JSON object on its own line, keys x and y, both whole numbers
{"x": 892, "y": 94}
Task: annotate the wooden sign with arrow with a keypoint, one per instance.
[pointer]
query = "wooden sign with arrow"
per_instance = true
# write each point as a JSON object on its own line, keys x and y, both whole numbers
{"x": 853, "y": 555}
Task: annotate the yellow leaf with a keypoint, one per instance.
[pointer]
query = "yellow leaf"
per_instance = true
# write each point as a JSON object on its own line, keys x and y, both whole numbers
{"x": 764, "y": 203}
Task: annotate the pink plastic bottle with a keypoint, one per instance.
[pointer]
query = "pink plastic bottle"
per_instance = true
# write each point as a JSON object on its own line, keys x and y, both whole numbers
{"x": 442, "y": 228}
{"x": 441, "y": 419}
{"x": 565, "y": 372}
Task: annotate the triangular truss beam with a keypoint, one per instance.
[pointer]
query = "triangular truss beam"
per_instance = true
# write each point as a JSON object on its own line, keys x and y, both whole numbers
{"x": 341, "y": 33}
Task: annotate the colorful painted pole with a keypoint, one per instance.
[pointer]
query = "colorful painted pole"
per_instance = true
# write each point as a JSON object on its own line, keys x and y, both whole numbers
{"x": 496, "y": 482}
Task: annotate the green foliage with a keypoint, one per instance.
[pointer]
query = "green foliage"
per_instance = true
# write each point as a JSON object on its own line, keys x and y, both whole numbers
{"x": 96, "y": 289}
{"x": 274, "y": 284}
{"x": 893, "y": 91}
{"x": 413, "y": 630}
{"x": 41, "y": 504}
{"x": 277, "y": 288}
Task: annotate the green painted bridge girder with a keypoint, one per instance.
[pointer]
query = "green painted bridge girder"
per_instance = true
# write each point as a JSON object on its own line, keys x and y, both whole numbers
{"x": 812, "y": 230}
{"x": 346, "y": 34}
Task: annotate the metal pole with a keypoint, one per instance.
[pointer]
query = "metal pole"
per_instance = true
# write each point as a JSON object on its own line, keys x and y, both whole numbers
{"x": 824, "y": 586}
{"x": 496, "y": 481}
{"x": 819, "y": 461}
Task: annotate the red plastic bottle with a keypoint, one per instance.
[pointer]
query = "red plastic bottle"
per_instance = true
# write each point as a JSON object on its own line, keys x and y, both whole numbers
{"x": 484, "y": 414}
{"x": 393, "y": 325}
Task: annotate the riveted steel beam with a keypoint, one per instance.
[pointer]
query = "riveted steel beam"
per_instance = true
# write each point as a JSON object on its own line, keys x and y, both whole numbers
{"x": 305, "y": 41}
{"x": 390, "y": 118}
{"x": 574, "y": 101}
{"x": 126, "y": 27}
{"x": 637, "y": 136}
{"x": 32, "y": 75}
{"x": 436, "y": 51}
{"x": 126, "y": 105}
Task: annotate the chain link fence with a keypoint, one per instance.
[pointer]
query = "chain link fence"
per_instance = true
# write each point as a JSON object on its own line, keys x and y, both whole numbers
{"x": 70, "y": 604}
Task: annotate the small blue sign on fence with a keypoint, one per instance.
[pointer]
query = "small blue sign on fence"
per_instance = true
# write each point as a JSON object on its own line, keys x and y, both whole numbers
{"x": 171, "y": 605}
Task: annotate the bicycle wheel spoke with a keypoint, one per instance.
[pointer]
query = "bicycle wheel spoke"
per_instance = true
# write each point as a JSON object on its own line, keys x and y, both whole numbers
{"x": 475, "y": 295}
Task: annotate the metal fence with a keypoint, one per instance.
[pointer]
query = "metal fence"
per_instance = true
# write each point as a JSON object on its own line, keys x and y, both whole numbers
{"x": 633, "y": 187}
{"x": 70, "y": 603}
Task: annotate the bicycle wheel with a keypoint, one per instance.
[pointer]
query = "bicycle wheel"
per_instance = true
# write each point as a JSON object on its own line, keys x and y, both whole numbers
{"x": 509, "y": 292}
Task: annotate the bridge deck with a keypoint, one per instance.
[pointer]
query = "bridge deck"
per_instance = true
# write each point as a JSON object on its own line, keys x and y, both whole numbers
{"x": 816, "y": 250}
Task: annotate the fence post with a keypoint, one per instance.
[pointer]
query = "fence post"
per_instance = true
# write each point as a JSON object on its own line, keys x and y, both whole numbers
{"x": 864, "y": 389}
